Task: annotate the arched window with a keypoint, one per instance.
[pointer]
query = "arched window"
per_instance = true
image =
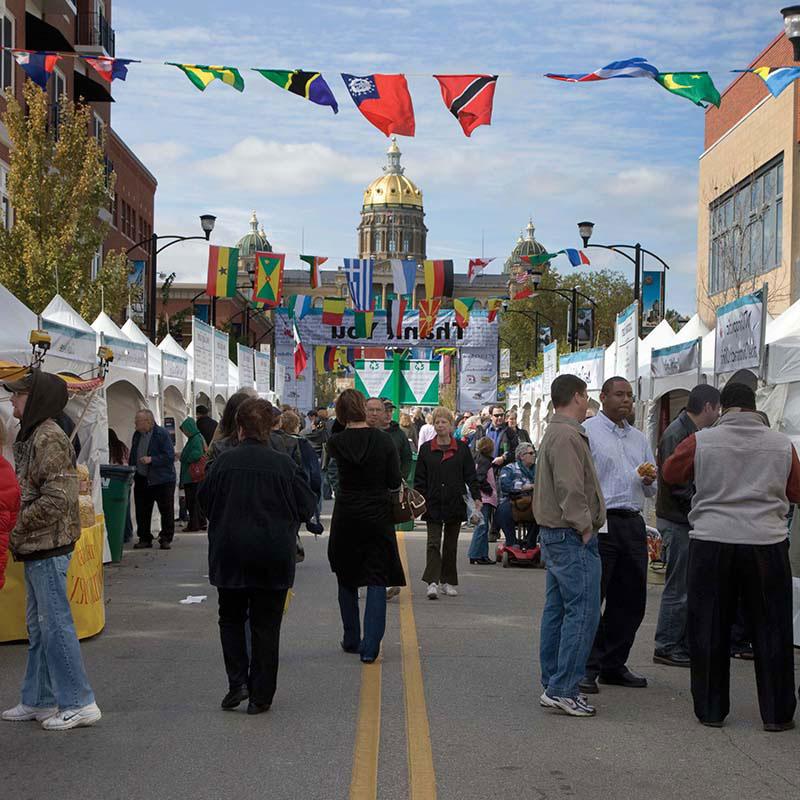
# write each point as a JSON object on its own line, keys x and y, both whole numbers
{"x": 378, "y": 241}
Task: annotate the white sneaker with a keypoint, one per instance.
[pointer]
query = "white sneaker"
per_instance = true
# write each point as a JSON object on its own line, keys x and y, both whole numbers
{"x": 574, "y": 706}
{"x": 23, "y": 713}
{"x": 433, "y": 591}
{"x": 73, "y": 718}
{"x": 449, "y": 590}
{"x": 392, "y": 592}
{"x": 546, "y": 702}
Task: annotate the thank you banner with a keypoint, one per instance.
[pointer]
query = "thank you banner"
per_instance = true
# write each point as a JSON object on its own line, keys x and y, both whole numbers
{"x": 739, "y": 334}
{"x": 677, "y": 359}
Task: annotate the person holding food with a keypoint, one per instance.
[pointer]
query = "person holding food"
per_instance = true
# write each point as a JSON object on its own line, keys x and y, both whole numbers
{"x": 627, "y": 472}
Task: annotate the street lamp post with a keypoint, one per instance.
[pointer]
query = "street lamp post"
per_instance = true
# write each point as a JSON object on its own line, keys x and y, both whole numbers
{"x": 535, "y": 315}
{"x": 207, "y": 224}
{"x": 791, "y": 25}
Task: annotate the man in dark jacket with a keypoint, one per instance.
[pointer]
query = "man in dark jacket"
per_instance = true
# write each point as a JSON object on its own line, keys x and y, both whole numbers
{"x": 153, "y": 456}
{"x": 205, "y": 424}
{"x": 673, "y": 504}
{"x": 400, "y": 440}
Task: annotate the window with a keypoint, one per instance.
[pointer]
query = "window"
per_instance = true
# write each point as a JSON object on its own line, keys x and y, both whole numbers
{"x": 115, "y": 211}
{"x": 97, "y": 126}
{"x": 7, "y": 62}
{"x": 97, "y": 262}
{"x": 5, "y": 205}
{"x": 378, "y": 241}
{"x": 746, "y": 222}
{"x": 58, "y": 88}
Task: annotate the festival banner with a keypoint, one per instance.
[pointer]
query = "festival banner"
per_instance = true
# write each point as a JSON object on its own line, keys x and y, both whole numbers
{"x": 71, "y": 342}
{"x": 740, "y": 329}
{"x": 137, "y": 300}
{"x": 419, "y": 382}
{"x": 244, "y": 359}
{"x": 374, "y": 378}
{"x": 513, "y": 396}
{"x": 588, "y": 365}
{"x": 203, "y": 346}
{"x": 477, "y": 378}
{"x": 174, "y": 366}
{"x": 652, "y": 299}
{"x": 505, "y": 362}
{"x": 626, "y": 337}
{"x": 262, "y": 369}
{"x": 127, "y": 354}
{"x": 550, "y": 354}
{"x": 677, "y": 359}
{"x": 220, "y": 361}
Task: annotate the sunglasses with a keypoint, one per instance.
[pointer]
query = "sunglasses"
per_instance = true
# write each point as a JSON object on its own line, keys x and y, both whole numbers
{"x": 498, "y": 415}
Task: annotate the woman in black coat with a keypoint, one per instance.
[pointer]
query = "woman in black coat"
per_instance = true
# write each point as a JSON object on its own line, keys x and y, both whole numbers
{"x": 255, "y": 499}
{"x": 362, "y": 549}
{"x": 445, "y": 471}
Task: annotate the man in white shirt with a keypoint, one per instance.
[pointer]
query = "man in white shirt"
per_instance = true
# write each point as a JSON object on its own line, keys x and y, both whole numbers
{"x": 626, "y": 469}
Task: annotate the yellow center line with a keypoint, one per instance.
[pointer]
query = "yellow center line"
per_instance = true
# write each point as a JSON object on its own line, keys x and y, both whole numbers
{"x": 364, "y": 780}
{"x": 421, "y": 775}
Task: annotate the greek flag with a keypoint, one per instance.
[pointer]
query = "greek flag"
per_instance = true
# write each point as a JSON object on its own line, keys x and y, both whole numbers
{"x": 359, "y": 280}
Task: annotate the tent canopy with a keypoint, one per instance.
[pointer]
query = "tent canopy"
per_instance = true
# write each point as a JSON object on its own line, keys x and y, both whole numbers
{"x": 17, "y": 323}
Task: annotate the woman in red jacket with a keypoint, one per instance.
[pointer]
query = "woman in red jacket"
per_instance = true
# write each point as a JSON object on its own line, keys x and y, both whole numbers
{"x": 9, "y": 507}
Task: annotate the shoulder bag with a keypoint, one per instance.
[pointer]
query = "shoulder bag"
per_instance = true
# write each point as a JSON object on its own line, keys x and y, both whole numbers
{"x": 407, "y": 504}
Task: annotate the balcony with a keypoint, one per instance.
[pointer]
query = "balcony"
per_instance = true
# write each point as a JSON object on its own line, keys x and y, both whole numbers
{"x": 94, "y": 35}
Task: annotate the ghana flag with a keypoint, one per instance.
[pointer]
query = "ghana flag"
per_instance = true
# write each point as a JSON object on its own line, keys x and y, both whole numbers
{"x": 223, "y": 264}
{"x": 438, "y": 278}
{"x": 268, "y": 288}
{"x": 201, "y": 75}
{"x": 462, "y": 306}
{"x": 315, "y": 262}
{"x": 310, "y": 85}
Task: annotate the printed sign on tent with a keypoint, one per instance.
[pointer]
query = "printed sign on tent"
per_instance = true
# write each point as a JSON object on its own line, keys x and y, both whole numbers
{"x": 127, "y": 354}
{"x": 627, "y": 339}
{"x": 740, "y": 333}
{"x": 173, "y": 366}
{"x": 550, "y": 354}
{"x": 74, "y": 342}
{"x": 262, "y": 371}
{"x": 203, "y": 346}
{"x": 677, "y": 359}
{"x": 220, "y": 360}
{"x": 588, "y": 365}
{"x": 505, "y": 362}
{"x": 477, "y": 378}
{"x": 244, "y": 358}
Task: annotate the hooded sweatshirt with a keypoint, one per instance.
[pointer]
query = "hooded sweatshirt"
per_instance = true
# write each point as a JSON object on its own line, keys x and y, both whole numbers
{"x": 193, "y": 449}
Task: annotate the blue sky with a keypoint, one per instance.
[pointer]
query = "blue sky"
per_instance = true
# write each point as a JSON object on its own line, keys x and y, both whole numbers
{"x": 621, "y": 153}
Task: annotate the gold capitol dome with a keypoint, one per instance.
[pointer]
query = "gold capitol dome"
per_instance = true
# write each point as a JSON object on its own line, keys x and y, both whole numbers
{"x": 393, "y": 187}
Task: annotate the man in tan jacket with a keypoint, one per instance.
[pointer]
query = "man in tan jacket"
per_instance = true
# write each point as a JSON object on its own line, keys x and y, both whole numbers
{"x": 569, "y": 508}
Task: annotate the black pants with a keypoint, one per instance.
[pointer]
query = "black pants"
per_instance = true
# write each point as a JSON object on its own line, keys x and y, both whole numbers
{"x": 263, "y": 609}
{"x": 718, "y": 574}
{"x": 440, "y": 565}
{"x": 144, "y": 497}
{"x": 623, "y": 586}
{"x": 192, "y": 506}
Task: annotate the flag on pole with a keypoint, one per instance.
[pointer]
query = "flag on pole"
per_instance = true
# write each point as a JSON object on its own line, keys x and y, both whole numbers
{"x": 333, "y": 310}
{"x": 384, "y": 100}
{"x": 776, "y": 78}
{"x": 395, "y": 310}
{"x": 404, "y": 274}
{"x": 299, "y": 305}
{"x": 300, "y": 357}
{"x": 201, "y": 75}
{"x": 268, "y": 288}
{"x": 110, "y": 69}
{"x": 364, "y": 323}
{"x": 315, "y": 262}
{"x": 468, "y": 98}
{"x": 38, "y": 66}
{"x": 462, "y": 306}
{"x": 576, "y": 257}
{"x": 310, "y": 85}
{"x": 223, "y": 266}
{"x": 629, "y": 68}
{"x": 540, "y": 259}
{"x": 695, "y": 86}
{"x": 477, "y": 266}
{"x": 493, "y": 305}
{"x": 428, "y": 312}
{"x": 359, "y": 281}
{"x": 438, "y": 278}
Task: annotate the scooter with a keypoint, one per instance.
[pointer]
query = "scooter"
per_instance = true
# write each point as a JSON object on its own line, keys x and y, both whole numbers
{"x": 520, "y": 554}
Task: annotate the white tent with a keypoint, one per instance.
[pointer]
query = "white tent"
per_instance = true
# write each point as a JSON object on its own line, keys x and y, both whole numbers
{"x": 202, "y": 391}
{"x": 135, "y": 334}
{"x": 661, "y": 336}
{"x": 175, "y": 387}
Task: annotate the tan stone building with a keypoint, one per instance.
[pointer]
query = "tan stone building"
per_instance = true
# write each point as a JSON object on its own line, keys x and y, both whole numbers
{"x": 747, "y": 223}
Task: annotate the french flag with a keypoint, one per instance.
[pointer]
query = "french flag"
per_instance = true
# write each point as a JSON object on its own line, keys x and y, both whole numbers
{"x": 577, "y": 257}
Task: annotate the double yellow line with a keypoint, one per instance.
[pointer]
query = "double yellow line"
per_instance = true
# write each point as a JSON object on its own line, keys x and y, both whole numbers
{"x": 421, "y": 775}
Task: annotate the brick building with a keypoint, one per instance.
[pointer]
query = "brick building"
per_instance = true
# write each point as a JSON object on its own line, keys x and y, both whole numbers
{"x": 83, "y": 27}
{"x": 746, "y": 214}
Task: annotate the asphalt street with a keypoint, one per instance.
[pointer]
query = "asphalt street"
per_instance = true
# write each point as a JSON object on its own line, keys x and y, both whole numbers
{"x": 451, "y": 711}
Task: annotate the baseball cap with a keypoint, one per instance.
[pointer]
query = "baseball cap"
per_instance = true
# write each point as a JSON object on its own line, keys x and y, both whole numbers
{"x": 388, "y": 404}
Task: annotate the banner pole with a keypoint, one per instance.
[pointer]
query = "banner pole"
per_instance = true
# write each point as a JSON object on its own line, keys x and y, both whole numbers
{"x": 762, "y": 360}
{"x": 396, "y": 361}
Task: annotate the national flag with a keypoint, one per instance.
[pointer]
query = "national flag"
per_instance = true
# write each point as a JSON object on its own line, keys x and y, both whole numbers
{"x": 428, "y": 312}
{"x": 38, "y": 66}
{"x": 299, "y": 305}
{"x": 326, "y": 359}
{"x": 404, "y": 274}
{"x": 462, "y": 306}
{"x": 522, "y": 277}
{"x": 223, "y": 266}
{"x": 384, "y": 100}
{"x": 521, "y": 294}
{"x": 201, "y": 75}
{"x": 333, "y": 310}
{"x": 629, "y": 68}
{"x": 576, "y": 257}
{"x": 359, "y": 280}
{"x": 469, "y": 98}
{"x": 695, "y": 86}
{"x": 395, "y": 311}
{"x": 477, "y": 266}
{"x": 776, "y": 78}
{"x": 300, "y": 357}
{"x": 310, "y": 85}
{"x": 493, "y": 305}
{"x": 438, "y": 278}
{"x": 268, "y": 288}
{"x": 539, "y": 259}
{"x": 110, "y": 69}
{"x": 364, "y": 323}
{"x": 315, "y": 262}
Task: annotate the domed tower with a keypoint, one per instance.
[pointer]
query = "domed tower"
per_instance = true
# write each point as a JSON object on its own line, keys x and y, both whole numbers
{"x": 251, "y": 243}
{"x": 526, "y": 246}
{"x": 392, "y": 215}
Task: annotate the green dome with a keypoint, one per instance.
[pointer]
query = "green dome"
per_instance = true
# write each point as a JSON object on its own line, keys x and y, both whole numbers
{"x": 253, "y": 242}
{"x": 525, "y": 246}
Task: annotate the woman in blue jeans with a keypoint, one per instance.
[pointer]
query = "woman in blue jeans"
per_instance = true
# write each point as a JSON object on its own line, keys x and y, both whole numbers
{"x": 516, "y": 479}
{"x": 479, "y": 546}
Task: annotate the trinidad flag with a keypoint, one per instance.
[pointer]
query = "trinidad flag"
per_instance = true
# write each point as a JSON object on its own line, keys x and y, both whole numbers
{"x": 384, "y": 100}
{"x": 469, "y": 98}
{"x": 438, "y": 278}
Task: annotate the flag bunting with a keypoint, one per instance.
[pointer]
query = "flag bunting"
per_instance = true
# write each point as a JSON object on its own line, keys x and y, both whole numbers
{"x": 364, "y": 321}
{"x": 300, "y": 357}
{"x": 477, "y": 266}
{"x": 201, "y": 76}
{"x": 395, "y": 311}
{"x": 268, "y": 288}
{"x": 629, "y": 68}
{"x": 384, "y": 100}
{"x": 223, "y": 267}
{"x": 310, "y": 85}
{"x": 428, "y": 312}
{"x": 299, "y": 305}
{"x": 314, "y": 262}
{"x": 333, "y": 310}
{"x": 438, "y": 278}
{"x": 359, "y": 281}
{"x": 404, "y": 275}
{"x": 468, "y": 98}
{"x": 462, "y": 306}
{"x": 38, "y": 66}
{"x": 776, "y": 78}
{"x": 493, "y": 305}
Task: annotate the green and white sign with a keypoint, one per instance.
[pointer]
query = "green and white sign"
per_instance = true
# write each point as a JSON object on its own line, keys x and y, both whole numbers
{"x": 404, "y": 382}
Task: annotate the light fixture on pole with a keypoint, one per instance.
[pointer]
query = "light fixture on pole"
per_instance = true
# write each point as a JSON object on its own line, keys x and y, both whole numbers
{"x": 585, "y": 230}
{"x": 536, "y": 278}
{"x": 791, "y": 24}
{"x": 207, "y": 223}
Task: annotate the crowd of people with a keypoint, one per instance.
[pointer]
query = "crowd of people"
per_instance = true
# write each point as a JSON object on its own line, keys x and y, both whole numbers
{"x": 253, "y": 479}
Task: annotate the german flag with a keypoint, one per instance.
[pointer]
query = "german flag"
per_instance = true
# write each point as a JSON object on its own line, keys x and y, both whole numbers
{"x": 268, "y": 289}
{"x": 438, "y": 278}
{"x": 333, "y": 310}
{"x": 223, "y": 264}
{"x": 428, "y": 312}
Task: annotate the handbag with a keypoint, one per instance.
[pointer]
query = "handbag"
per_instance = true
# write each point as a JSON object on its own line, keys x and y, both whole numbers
{"x": 407, "y": 504}
{"x": 522, "y": 507}
{"x": 197, "y": 471}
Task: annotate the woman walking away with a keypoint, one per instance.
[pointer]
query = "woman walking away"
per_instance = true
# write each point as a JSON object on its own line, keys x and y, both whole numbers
{"x": 444, "y": 467}
{"x": 516, "y": 480}
{"x": 254, "y": 499}
{"x": 479, "y": 547}
{"x": 226, "y": 435}
{"x": 363, "y": 546}
{"x": 192, "y": 452}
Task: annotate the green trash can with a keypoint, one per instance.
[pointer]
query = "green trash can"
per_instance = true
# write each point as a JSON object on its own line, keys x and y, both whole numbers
{"x": 116, "y": 481}
{"x": 409, "y": 526}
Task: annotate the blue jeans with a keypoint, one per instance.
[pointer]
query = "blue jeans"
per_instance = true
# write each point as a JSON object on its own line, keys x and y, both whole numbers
{"x": 571, "y": 610}
{"x": 505, "y": 521}
{"x": 671, "y": 628}
{"x": 479, "y": 546}
{"x": 55, "y": 675}
{"x": 374, "y": 619}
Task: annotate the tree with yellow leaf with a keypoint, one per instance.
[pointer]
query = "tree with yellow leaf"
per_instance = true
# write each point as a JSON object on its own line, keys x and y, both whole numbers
{"x": 57, "y": 184}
